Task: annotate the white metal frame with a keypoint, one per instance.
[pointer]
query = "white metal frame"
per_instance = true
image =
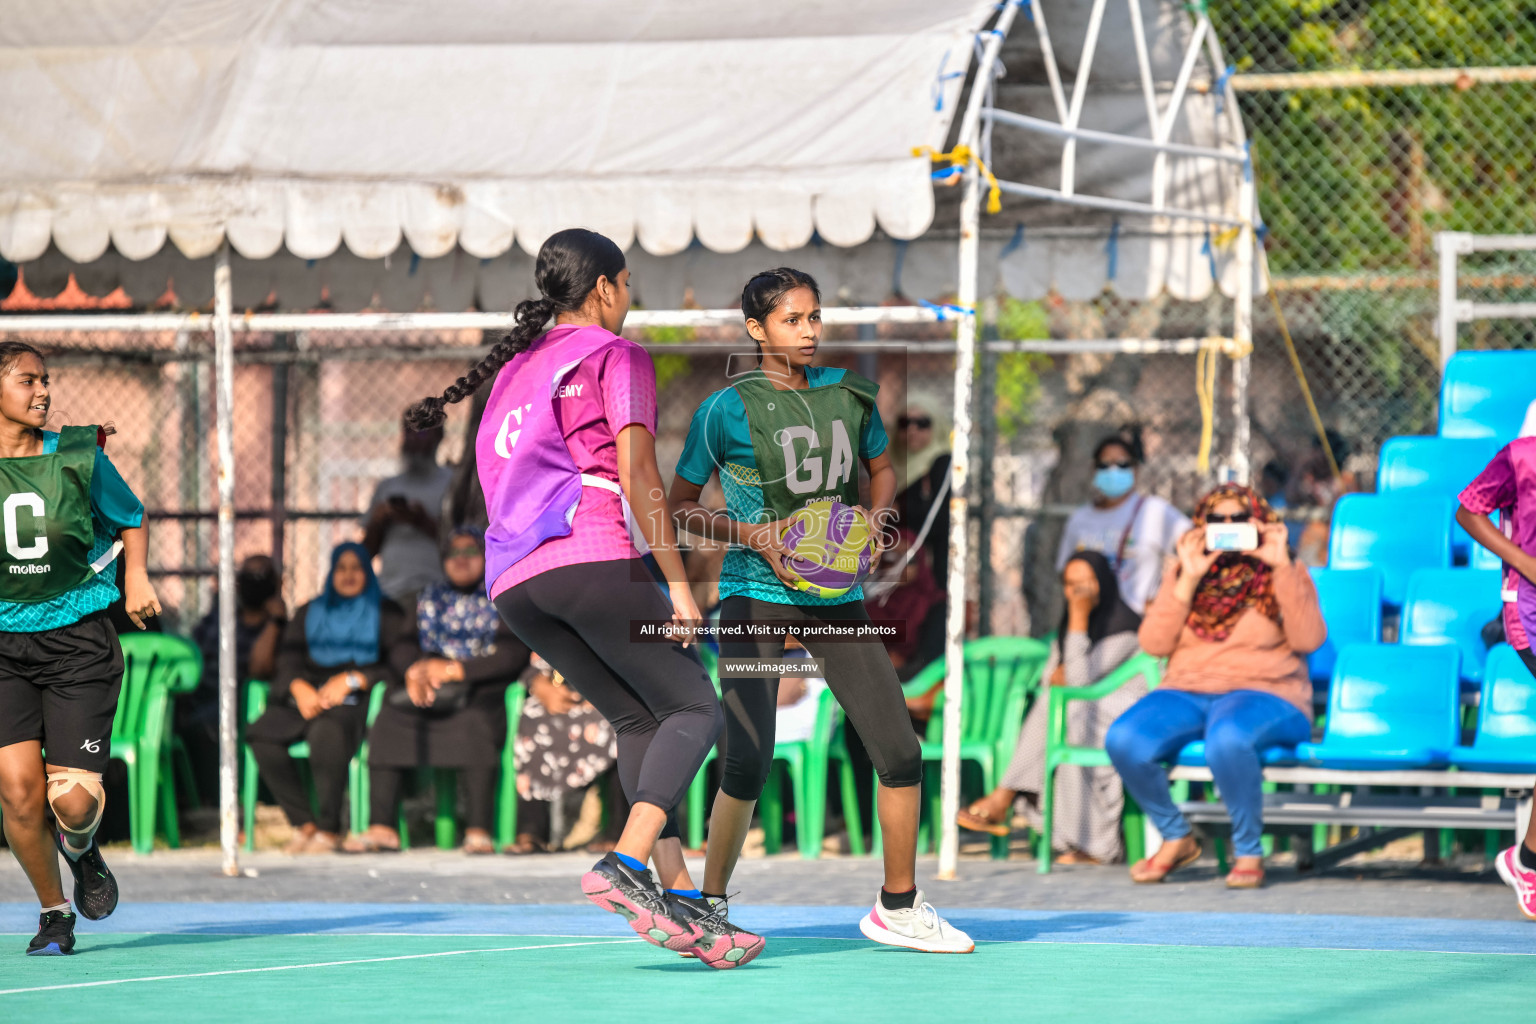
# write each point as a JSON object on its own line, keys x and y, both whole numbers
{"x": 1452, "y": 245}
{"x": 980, "y": 116}
{"x": 978, "y": 119}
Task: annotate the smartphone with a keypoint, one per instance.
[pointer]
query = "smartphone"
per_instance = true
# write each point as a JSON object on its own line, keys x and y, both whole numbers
{"x": 1231, "y": 537}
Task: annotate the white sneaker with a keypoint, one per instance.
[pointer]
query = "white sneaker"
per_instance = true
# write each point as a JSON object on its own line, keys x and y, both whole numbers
{"x": 920, "y": 928}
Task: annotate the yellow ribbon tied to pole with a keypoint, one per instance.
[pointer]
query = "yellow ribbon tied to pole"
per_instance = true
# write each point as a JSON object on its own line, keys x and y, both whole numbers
{"x": 959, "y": 157}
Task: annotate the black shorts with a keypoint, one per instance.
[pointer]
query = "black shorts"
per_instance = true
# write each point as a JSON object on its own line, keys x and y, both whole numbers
{"x": 60, "y": 686}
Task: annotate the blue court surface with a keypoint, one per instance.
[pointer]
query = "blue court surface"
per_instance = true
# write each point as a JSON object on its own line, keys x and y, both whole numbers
{"x": 356, "y": 961}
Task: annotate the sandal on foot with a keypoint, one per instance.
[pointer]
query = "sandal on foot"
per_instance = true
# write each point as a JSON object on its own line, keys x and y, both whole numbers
{"x": 1147, "y": 871}
{"x": 1068, "y": 857}
{"x": 475, "y": 845}
{"x": 363, "y": 842}
{"x": 971, "y": 821}
{"x": 1245, "y": 878}
{"x": 524, "y": 843}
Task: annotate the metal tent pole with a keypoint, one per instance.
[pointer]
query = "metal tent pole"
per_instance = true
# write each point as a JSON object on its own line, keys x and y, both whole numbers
{"x": 224, "y": 373}
{"x": 960, "y": 466}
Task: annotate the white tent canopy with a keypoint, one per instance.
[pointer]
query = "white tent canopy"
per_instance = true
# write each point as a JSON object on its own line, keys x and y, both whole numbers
{"x": 313, "y": 123}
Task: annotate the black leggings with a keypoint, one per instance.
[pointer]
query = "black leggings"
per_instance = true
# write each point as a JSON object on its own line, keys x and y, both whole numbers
{"x": 333, "y": 736}
{"x": 860, "y": 677}
{"x": 577, "y": 617}
{"x": 479, "y": 795}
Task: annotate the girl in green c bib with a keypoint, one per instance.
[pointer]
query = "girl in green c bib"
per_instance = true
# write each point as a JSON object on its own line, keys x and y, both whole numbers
{"x": 786, "y": 433}
{"x": 65, "y": 517}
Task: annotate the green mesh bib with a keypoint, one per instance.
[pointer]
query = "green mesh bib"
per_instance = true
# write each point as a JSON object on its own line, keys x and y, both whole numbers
{"x": 806, "y": 443}
{"x": 46, "y": 519}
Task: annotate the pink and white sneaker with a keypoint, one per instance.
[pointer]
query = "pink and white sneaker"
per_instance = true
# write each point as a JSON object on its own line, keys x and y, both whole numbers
{"x": 634, "y": 896}
{"x": 1519, "y": 878}
{"x": 723, "y": 945}
{"x": 919, "y": 927}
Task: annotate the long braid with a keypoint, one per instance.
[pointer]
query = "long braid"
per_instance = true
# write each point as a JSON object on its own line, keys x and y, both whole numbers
{"x": 569, "y": 265}
{"x": 531, "y": 316}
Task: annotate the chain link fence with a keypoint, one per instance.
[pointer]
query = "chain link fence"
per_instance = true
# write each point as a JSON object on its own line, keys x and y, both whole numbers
{"x": 1374, "y": 125}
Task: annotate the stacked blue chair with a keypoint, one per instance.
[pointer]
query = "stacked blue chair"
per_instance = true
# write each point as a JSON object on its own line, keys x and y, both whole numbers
{"x": 1451, "y": 606}
{"x": 1390, "y": 706}
{"x": 1435, "y": 467}
{"x": 1506, "y": 718}
{"x": 1486, "y": 394}
{"x": 1394, "y": 534}
{"x": 1432, "y": 466}
{"x": 1482, "y": 558}
{"x": 1351, "y": 604}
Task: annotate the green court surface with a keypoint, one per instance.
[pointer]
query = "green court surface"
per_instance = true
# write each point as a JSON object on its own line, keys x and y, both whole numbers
{"x": 272, "y": 977}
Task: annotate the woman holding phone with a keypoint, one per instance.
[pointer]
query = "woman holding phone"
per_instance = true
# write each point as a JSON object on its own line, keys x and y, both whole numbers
{"x": 1236, "y": 618}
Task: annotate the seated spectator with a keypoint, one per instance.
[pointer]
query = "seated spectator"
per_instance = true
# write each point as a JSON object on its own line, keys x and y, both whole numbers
{"x": 927, "y": 491}
{"x": 332, "y": 652}
{"x": 1313, "y": 493}
{"x": 1132, "y": 529}
{"x": 1236, "y": 629}
{"x": 259, "y": 621}
{"x": 904, "y": 593}
{"x": 451, "y": 709}
{"x": 562, "y": 746}
{"x": 1097, "y": 635}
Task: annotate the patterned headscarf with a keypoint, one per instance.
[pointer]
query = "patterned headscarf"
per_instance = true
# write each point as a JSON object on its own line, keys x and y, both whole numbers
{"x": 1237, "y": 581}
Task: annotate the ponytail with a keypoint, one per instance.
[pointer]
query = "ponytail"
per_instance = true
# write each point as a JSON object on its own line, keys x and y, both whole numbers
{"x": 567, "y": 270}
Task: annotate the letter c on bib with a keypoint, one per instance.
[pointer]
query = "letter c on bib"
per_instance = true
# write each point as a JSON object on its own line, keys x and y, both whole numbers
{"x": 13, "y": 546}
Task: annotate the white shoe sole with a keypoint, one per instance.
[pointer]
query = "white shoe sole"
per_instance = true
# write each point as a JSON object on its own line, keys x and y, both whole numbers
{"x": 886, "y": 937}
{"x": 1498, "y": 865}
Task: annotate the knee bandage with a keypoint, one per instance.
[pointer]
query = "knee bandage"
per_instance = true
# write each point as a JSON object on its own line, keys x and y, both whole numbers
{"x": 62, "y": 782}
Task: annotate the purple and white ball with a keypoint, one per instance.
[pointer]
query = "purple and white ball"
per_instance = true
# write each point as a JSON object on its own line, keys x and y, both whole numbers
{"x": 830, "y": 548}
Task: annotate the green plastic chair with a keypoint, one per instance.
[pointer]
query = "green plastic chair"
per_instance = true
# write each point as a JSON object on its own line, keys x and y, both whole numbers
{"x": 1002, "y": 673}
{"x": 1058, "y": 753}
{"x": 177, "y": 664}
{"x": 138, "y": 730}
{"x": 506, "y": 790}
{"x": 445, "y": 786}
{"x": 256, "y": 692}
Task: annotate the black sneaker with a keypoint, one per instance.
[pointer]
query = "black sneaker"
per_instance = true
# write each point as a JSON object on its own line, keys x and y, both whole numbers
{"x": 634, "y": 896}
{"x": 55, "y": 934}
{"x": 722, "y": 945}
{"x": 95, "y": 888}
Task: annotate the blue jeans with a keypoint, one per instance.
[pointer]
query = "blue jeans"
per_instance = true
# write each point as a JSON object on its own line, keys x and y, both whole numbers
{"x": 1235, "y": 727}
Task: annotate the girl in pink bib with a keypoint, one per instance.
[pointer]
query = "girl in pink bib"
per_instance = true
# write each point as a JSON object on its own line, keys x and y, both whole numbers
{"x": 567, "y": 460}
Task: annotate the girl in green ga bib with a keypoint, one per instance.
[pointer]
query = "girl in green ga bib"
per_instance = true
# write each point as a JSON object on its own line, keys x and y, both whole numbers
{"x": 786, "y": 433}
{"x": 65, "y": 516}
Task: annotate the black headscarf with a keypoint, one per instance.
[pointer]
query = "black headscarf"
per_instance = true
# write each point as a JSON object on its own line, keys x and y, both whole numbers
{"x": 1111, "y": 615}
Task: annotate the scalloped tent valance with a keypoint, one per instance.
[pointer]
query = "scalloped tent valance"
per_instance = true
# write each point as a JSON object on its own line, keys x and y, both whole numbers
{"x": 470, "y": 123}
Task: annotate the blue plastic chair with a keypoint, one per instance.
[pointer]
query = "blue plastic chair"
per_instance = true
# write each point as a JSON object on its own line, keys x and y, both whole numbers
{"x": 1351, "y": 603}
{"x": 1432, "y": 465}
{"x": 1451, "y": 606}
{"x": 1481, "y": 557}
{"x": 1435, "y": 467}
{"x": 1390, "y": 706}
{"x": 1394, "y": 534}
{"x": 1485, "y": 394}
{"x": 1506, "y": 719}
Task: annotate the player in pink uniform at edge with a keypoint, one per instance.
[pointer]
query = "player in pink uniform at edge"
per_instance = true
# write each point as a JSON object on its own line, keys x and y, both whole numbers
{"x": 1507, "y": 485}
{"x": 567, "y": 460}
